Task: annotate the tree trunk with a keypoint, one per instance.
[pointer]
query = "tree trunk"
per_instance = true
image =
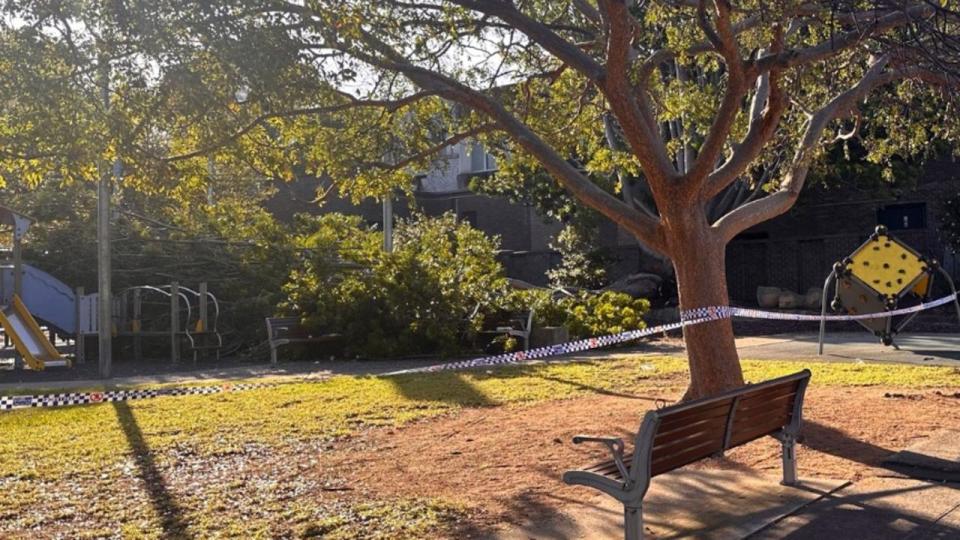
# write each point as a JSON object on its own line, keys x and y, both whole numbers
{"x": 698, "y": 255}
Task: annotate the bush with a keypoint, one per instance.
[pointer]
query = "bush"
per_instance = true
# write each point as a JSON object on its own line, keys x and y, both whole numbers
{"x": 584, "y": 314}
{"x": 413, "y": 300}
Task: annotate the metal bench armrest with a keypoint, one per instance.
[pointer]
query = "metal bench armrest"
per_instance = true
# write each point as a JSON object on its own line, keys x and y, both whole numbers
{"x": 615, "y": 444}
{"x": 599, "y": 482}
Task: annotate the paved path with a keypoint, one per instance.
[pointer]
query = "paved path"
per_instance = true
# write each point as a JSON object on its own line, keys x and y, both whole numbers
{"x": 920, "y": 349}
{"x": 923, "y": 349}
{"x": 295, "y": 370}
{"x": 705, "y": 504}
{"x": 876, "y": 509}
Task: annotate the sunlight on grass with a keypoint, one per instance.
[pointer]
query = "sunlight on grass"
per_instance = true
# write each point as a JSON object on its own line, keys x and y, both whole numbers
{"x": 105, "y": 447}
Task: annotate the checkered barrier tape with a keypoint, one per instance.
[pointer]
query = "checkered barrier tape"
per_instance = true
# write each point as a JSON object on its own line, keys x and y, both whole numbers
{"x": 554, "y": 350}
{"x": 82, "y": 398}
{"x": 758, "y": 314}
{"x": 687, "y": 318}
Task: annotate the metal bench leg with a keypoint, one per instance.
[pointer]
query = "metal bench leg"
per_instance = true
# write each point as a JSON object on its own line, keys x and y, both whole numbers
{"x": 273, "y": 354}
{"x": 789, "y": 460}
{"x": 633, "y": 522}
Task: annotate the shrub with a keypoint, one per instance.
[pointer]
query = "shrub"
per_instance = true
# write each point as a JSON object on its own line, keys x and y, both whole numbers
{"x": 413, "y": 300}
{"x": 584, "y": 314}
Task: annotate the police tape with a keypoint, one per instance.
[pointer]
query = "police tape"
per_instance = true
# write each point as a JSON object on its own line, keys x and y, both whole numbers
{"x": 687, "y": 318}
{"x": 84, "y": 398}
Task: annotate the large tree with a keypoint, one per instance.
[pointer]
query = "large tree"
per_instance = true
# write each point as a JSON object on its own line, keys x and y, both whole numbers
{"x": 706, "y": 116}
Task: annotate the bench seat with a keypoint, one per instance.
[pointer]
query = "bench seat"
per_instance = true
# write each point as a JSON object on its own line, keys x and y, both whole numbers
{"x": 672, "y": 437}
{"x": 289, "y": 330}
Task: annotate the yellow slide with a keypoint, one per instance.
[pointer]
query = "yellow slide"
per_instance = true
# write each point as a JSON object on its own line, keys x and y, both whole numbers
{"x": 29, "y": 340}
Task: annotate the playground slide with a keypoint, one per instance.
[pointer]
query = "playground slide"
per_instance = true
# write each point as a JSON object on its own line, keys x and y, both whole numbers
{"x": 46, "y": 297}
{"x": 19, "y": 324}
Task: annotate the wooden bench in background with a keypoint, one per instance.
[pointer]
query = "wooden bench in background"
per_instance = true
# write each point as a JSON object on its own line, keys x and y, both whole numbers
{"x": 517, "y": 324}
{"x": 288, "y": 330}
{"x": 675, "y": 436}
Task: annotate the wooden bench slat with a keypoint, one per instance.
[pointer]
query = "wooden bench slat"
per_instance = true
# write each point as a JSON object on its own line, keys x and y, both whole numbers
{"x": 672, "y": 420}
{"x": 679, "y": 459}
{"x": 784, "y": 407}
{"x": 755, "y": 432}
{"x": 683, "y": 431}
{"x": 715, "y": 430}
{"x": 746, "y": 426}
{"x": 785, "y": 399}
{"x": 765, "y": 393}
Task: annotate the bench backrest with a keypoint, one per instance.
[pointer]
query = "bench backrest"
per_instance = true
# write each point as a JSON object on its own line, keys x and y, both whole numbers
{"x": 518, "y": 320}
{"x": 286, "y": 327}
{"x": 682, "y": 434}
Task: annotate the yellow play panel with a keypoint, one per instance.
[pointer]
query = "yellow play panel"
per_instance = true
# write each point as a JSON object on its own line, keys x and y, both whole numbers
{"x": 887, "y": 266}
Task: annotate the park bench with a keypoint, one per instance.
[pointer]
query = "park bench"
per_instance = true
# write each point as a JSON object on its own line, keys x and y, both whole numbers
{"x": 288, "y": 330}
{"x": 518, "y": 324}
{"x": 681, "y": 434}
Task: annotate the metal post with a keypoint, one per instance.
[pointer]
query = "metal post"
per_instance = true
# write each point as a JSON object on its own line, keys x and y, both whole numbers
{"x": 823, "y": 312}
{"x": 17, "y": 263}
{"x": 789, "y": 447}
{"x": 136, "y": 326}
{"x": 633, "y": 522}
{"x": 174, "y": 322}
{"x": 202, "y": 316}
{"x": 79, "y": 348}
{"x": 104, "y": 315}
{"x": 211, "y": 172}
{"x": 17, "y": 283}
{"x": 387, "y": 224}
{"x": 953, "y": 289}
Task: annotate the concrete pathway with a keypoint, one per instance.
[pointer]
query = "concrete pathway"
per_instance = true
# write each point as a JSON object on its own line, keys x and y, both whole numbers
{"x": 706, "y": 504}
{"x": 876, "y": 509}
{"x": 264, "y": 372}
{"x": 922, "y": 349}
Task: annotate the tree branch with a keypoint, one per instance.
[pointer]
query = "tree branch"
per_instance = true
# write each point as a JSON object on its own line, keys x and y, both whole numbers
{"x": 777, "y": 203}
{"x": 389, "y": 105}
{"x": 540, "y": 33}
{"x": 629, "y": 104}
{"x": 645, "y": 228}
{"x": 872, "y": 25}
{"x": 432, "y": 150}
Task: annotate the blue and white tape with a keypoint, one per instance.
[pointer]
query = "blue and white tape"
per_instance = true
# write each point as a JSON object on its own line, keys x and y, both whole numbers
{"x": 687, "y": 318}
{"x": 82, "y": 398}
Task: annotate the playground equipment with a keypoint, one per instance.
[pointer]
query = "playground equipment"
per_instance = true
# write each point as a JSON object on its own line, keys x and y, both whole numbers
{"x": 182, "y": 315}
{"x": 27, "y": 336}
{"x": 875, "y": 278}
{"x": 31, "y": 298}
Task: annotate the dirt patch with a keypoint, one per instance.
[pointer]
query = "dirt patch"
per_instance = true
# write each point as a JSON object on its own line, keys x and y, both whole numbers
{"x": 507, "y": 461}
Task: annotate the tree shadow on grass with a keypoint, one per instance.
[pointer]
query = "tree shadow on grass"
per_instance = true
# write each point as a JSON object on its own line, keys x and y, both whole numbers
{"x": 446, "y": 387}
{"x": 597, "y": 389}
{"x": 166, "y": 507}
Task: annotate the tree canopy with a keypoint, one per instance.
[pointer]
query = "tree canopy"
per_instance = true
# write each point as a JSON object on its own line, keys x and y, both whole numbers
{"x": 684, "y": 121}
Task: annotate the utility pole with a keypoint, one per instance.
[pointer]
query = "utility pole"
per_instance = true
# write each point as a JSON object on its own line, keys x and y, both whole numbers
{"x": 388, "y": 224}
{"x": 105, "y": 295}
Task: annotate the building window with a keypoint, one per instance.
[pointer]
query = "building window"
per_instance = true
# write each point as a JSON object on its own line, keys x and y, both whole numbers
{"x": 898, "y": 217}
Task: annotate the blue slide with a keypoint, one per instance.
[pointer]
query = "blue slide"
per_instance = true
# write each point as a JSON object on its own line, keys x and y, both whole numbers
{"x": 45, "y": 296}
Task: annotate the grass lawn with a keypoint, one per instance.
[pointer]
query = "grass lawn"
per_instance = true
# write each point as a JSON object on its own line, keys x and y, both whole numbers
{"x": 205, "y": 466}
